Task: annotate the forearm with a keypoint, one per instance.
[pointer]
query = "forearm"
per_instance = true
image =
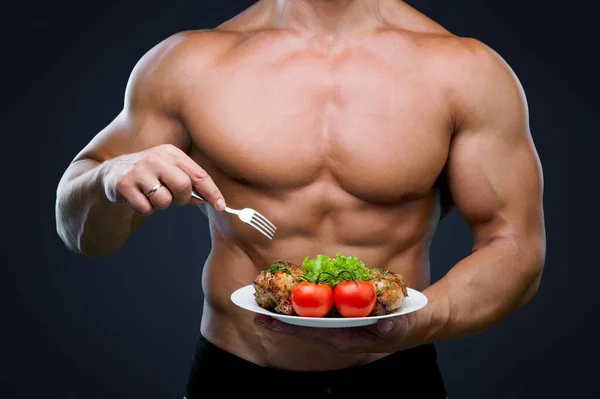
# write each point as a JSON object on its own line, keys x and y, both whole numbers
{"x": 86, "y": 220}
{"x": 480, "y": 291}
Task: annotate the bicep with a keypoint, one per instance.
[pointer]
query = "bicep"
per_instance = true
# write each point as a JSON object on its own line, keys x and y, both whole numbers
{"x": 496, "y": 184}
{"x": 494, "y": 172}
{"x": 132, "y": 132}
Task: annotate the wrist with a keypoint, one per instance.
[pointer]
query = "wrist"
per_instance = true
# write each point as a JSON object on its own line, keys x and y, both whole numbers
{"x": 431, "y": 322}
{"x": 106, "y": 180}
{"x": 425, "y": 326}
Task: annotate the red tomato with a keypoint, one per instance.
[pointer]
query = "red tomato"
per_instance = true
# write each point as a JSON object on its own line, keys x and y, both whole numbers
{"x": 354, "y": 298}
{"x": 311, "y": 299}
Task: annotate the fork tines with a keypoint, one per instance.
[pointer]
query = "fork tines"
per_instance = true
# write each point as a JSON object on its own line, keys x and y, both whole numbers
{"x": 263, "y": 225}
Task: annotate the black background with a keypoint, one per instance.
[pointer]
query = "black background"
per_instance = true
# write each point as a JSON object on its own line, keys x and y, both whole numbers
{"x": 125, "y": 326}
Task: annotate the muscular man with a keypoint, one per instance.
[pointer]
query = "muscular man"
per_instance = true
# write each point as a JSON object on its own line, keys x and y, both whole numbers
{"x": 353, "y": 126}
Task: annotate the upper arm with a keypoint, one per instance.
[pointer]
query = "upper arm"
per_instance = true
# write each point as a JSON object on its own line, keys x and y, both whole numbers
{"x": 494, "y": 172}
{"x": 150, "y": 112}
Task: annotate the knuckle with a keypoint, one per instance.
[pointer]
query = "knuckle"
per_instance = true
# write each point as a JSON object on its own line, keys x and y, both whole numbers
{"x": 168, "y": 149}
{"x": 141, "y": 208}
{"x": 183, "y": 196}
{"x": 138, "y": 169}
{"x": 213, "y": 193}
{"x": 182, "y": 199}
{"x": 200, "y": 176}
{"x": 146, "y": 210}
{"x": 152, "y": 158}
{"x": 123, "y": 184}
{"x": 182, "y": 186}
{"x": 162, "y": 202}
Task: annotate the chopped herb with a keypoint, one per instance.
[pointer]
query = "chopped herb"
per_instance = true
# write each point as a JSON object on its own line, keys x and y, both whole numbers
{"x": 279, "y": 266}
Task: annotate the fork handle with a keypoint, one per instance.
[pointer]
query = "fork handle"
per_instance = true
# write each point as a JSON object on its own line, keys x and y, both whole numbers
{"x": 197, "y": 196}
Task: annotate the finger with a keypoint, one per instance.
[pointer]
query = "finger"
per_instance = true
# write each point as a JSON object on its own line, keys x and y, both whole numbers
{"x": 202, "y": 182}
{"x": 262, "y": 320}
{"x": 272, "y": 324}
{"x": 136, "y": 201}
{"x": 159, "y": 195}
{"x": 391, "y": 326}
{"x": 178, "y": 183}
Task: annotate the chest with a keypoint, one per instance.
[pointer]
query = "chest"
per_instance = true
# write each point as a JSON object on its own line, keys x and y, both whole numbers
{"x": 377, "y": 128}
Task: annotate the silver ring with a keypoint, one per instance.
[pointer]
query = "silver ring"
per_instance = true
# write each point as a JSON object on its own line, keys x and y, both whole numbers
{"x": 153, "y": 190}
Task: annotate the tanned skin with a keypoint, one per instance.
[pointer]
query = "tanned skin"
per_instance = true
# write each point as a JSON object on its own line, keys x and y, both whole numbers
{"x": 353, "y": 126}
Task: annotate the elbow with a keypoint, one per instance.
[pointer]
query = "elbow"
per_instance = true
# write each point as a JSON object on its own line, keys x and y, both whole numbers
{"x": 67, "y": 239}
{"x": 63, "y": 228}
{"x": 63, "y": 210}
{"x": 534, "y": 281}
{"x": 71, "y": 225}
{"x": 73, "y": 243}
{"x": 527, "y": 254}
{"x": 77, "y": 243}
{"x": 534, "y": 255}
{"x": 81, "y": 246}
{"x": 93, "y": 251}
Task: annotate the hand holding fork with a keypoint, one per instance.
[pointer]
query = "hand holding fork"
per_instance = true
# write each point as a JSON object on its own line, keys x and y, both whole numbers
{"x": 250, "y": 217}
{"x": 159, "y": 176}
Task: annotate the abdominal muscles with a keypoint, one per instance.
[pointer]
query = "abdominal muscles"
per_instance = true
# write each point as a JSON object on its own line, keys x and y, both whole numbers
{"x": 324, "y": 219}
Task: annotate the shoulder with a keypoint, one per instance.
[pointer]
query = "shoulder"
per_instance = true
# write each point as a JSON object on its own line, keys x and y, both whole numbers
{"x": 449, "y": 58}
{"x": 185, "y": 51}
{"x": 472, "y": 75}
{"x": 164, "y": 71}
{"x": 475, "y": 62}
{"x": 479, "y": 82}
{"x": 463, "y": 60}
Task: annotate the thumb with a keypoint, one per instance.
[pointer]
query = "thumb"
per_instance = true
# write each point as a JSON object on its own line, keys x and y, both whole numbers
{"x": 391, "y": 326}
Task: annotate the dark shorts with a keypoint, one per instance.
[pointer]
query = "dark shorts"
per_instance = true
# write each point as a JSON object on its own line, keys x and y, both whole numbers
{"x": 412, "y": 373}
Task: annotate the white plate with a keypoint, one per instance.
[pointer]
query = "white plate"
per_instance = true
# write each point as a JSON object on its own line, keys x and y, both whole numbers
{"x": 244, "y": 298}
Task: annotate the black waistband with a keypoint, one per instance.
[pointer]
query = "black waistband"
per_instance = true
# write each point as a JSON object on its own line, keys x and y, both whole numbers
{"x": 401, "y": 372}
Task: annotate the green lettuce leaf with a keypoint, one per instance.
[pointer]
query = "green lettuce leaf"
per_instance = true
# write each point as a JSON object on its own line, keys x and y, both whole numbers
{"x": 332, "y": 270}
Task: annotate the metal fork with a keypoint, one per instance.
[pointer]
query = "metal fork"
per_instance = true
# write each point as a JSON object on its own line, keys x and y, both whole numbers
{"x": 250, "y": 217}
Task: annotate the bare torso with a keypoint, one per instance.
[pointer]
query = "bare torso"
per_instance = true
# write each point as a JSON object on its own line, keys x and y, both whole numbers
{"x": 340, "y": 143}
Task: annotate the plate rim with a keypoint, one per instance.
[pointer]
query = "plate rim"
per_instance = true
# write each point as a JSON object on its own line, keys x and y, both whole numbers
{"x": 327, "y": 320}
